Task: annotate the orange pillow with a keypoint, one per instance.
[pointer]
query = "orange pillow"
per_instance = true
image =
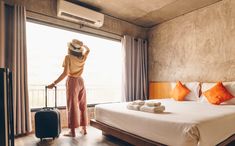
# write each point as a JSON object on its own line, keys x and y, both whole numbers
{"x": 217, "y": 94}
{"x": 180, "y": 91}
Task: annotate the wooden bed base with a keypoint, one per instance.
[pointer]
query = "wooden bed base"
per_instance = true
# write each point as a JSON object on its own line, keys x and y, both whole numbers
{"x": 228, "y": 142}
{"x": 140, "y": 141}
{"x": 123, "y": 135}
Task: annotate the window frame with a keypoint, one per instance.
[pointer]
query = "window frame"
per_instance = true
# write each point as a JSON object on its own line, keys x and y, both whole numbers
{"x": 105, "y": 35}
{"x": 92, "y": 105}
{"x": 117, "y": 38}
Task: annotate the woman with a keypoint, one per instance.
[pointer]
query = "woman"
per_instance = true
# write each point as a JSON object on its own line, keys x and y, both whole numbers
{"x": 75, "y": 90}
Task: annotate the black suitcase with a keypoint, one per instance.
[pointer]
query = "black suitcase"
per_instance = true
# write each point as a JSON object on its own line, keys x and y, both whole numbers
{"x": 47, "y": 120}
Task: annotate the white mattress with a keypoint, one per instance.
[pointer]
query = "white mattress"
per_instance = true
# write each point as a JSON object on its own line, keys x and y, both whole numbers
{"x": 186, "y": 123}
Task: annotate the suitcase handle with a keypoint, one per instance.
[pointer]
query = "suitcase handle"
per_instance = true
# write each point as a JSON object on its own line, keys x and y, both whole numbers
{"x": 55, "y": 96}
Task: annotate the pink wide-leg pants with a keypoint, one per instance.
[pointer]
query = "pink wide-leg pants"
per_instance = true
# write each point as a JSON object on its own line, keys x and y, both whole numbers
{"x": 76, "y": 102}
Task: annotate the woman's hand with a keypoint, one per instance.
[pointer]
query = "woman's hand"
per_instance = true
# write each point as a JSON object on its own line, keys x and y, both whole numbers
{"x": 87, "y": 50}
{"x": 51, "y": 86}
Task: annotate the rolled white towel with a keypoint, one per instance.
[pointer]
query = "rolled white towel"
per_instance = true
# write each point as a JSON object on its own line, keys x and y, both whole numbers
{"x": 152, "y": 103}
{"x": 138, "y": 102}
{"x": 130, "y": 106}
{"x": 153, "y": 109}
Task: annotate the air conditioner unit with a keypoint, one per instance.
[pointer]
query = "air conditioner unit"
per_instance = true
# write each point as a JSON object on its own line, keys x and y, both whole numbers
{"x": 76, "y": 13}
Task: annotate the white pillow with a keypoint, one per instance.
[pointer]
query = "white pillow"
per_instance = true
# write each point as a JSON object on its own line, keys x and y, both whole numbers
{"x": 194, "y": 88}
{"x": 205, "y": 87}
{"x": 230, "y": 86}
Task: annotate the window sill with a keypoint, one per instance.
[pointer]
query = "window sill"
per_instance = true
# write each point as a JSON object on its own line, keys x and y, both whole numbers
{"x": 64, "y": 107}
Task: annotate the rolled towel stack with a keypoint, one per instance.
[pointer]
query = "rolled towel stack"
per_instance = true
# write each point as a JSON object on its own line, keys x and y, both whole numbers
{"x": 130, "y": 106}
{"x": 135, "y": 105}
{"x": 151, "y": 104}
{"x": 152, "y": 109}
{"x": 138, "y": 102}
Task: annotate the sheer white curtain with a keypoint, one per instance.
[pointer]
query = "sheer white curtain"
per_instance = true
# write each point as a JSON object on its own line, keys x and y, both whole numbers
{"x": 13, "y": 56}
{"x": 135, "y": 71}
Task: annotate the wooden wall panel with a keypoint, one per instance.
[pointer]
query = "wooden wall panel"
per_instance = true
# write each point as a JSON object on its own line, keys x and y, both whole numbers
{"x": 158, "y": 90}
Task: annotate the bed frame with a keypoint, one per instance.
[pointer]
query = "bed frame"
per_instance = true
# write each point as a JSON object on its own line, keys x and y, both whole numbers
{"x": 123, "y": 135}
{"x": 137, "y": 140}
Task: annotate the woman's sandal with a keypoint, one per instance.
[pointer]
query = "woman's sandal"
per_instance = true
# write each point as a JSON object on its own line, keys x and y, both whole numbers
{"x": 83, "y": 131}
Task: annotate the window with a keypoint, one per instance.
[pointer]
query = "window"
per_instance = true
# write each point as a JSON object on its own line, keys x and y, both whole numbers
{"x": 46, "y": 49}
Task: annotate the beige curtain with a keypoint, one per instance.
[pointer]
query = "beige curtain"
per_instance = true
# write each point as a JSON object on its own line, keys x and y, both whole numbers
{"x": 16, "y": 60}
{"x": 2, "y": 34}
{"x": 135, "y": 69}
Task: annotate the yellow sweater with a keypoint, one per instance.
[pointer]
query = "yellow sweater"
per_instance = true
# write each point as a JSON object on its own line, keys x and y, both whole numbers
{"x": 74, "y": 65}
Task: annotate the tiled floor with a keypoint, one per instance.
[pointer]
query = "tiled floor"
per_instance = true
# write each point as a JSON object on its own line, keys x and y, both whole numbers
{"x": 93, "y": 138}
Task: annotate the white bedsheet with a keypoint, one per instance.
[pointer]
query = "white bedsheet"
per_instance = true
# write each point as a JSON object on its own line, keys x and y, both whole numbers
{"x": 187, "y": 123}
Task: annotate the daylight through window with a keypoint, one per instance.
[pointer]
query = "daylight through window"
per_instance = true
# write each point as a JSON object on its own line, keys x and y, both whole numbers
{"x": 46, "y": 49}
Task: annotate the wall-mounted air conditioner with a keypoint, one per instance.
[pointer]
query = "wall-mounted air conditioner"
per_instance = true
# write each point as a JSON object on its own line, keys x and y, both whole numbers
{"x": 76, "y": 13}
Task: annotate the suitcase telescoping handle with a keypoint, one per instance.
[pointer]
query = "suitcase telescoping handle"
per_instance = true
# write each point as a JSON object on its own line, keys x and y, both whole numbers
{"x": 55, "y": 96}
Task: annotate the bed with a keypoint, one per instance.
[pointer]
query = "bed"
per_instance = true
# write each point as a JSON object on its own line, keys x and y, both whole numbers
{"x": 187, "y": 123}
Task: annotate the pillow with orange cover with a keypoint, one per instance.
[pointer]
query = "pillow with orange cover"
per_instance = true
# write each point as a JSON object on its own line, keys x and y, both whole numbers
{"x": 180, "y": 91}
{"x": 217, "y": 94}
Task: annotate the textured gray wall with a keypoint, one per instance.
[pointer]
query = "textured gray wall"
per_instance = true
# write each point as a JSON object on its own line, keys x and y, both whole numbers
{"x": 198, "y": 46}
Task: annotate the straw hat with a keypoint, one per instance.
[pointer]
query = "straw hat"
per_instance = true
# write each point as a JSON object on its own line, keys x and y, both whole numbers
{"x": 76, "y": 46}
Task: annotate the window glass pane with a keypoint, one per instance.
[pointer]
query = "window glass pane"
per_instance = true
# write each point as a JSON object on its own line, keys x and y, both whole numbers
{"x": 47, "y": 47}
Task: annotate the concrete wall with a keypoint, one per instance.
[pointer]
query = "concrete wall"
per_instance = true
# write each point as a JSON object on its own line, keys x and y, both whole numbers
{"x": 198, "y": 46}
{"x": 45, "y": 10}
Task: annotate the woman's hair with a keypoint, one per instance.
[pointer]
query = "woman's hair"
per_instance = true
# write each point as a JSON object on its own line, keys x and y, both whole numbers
{"x": 77, "y": 54}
